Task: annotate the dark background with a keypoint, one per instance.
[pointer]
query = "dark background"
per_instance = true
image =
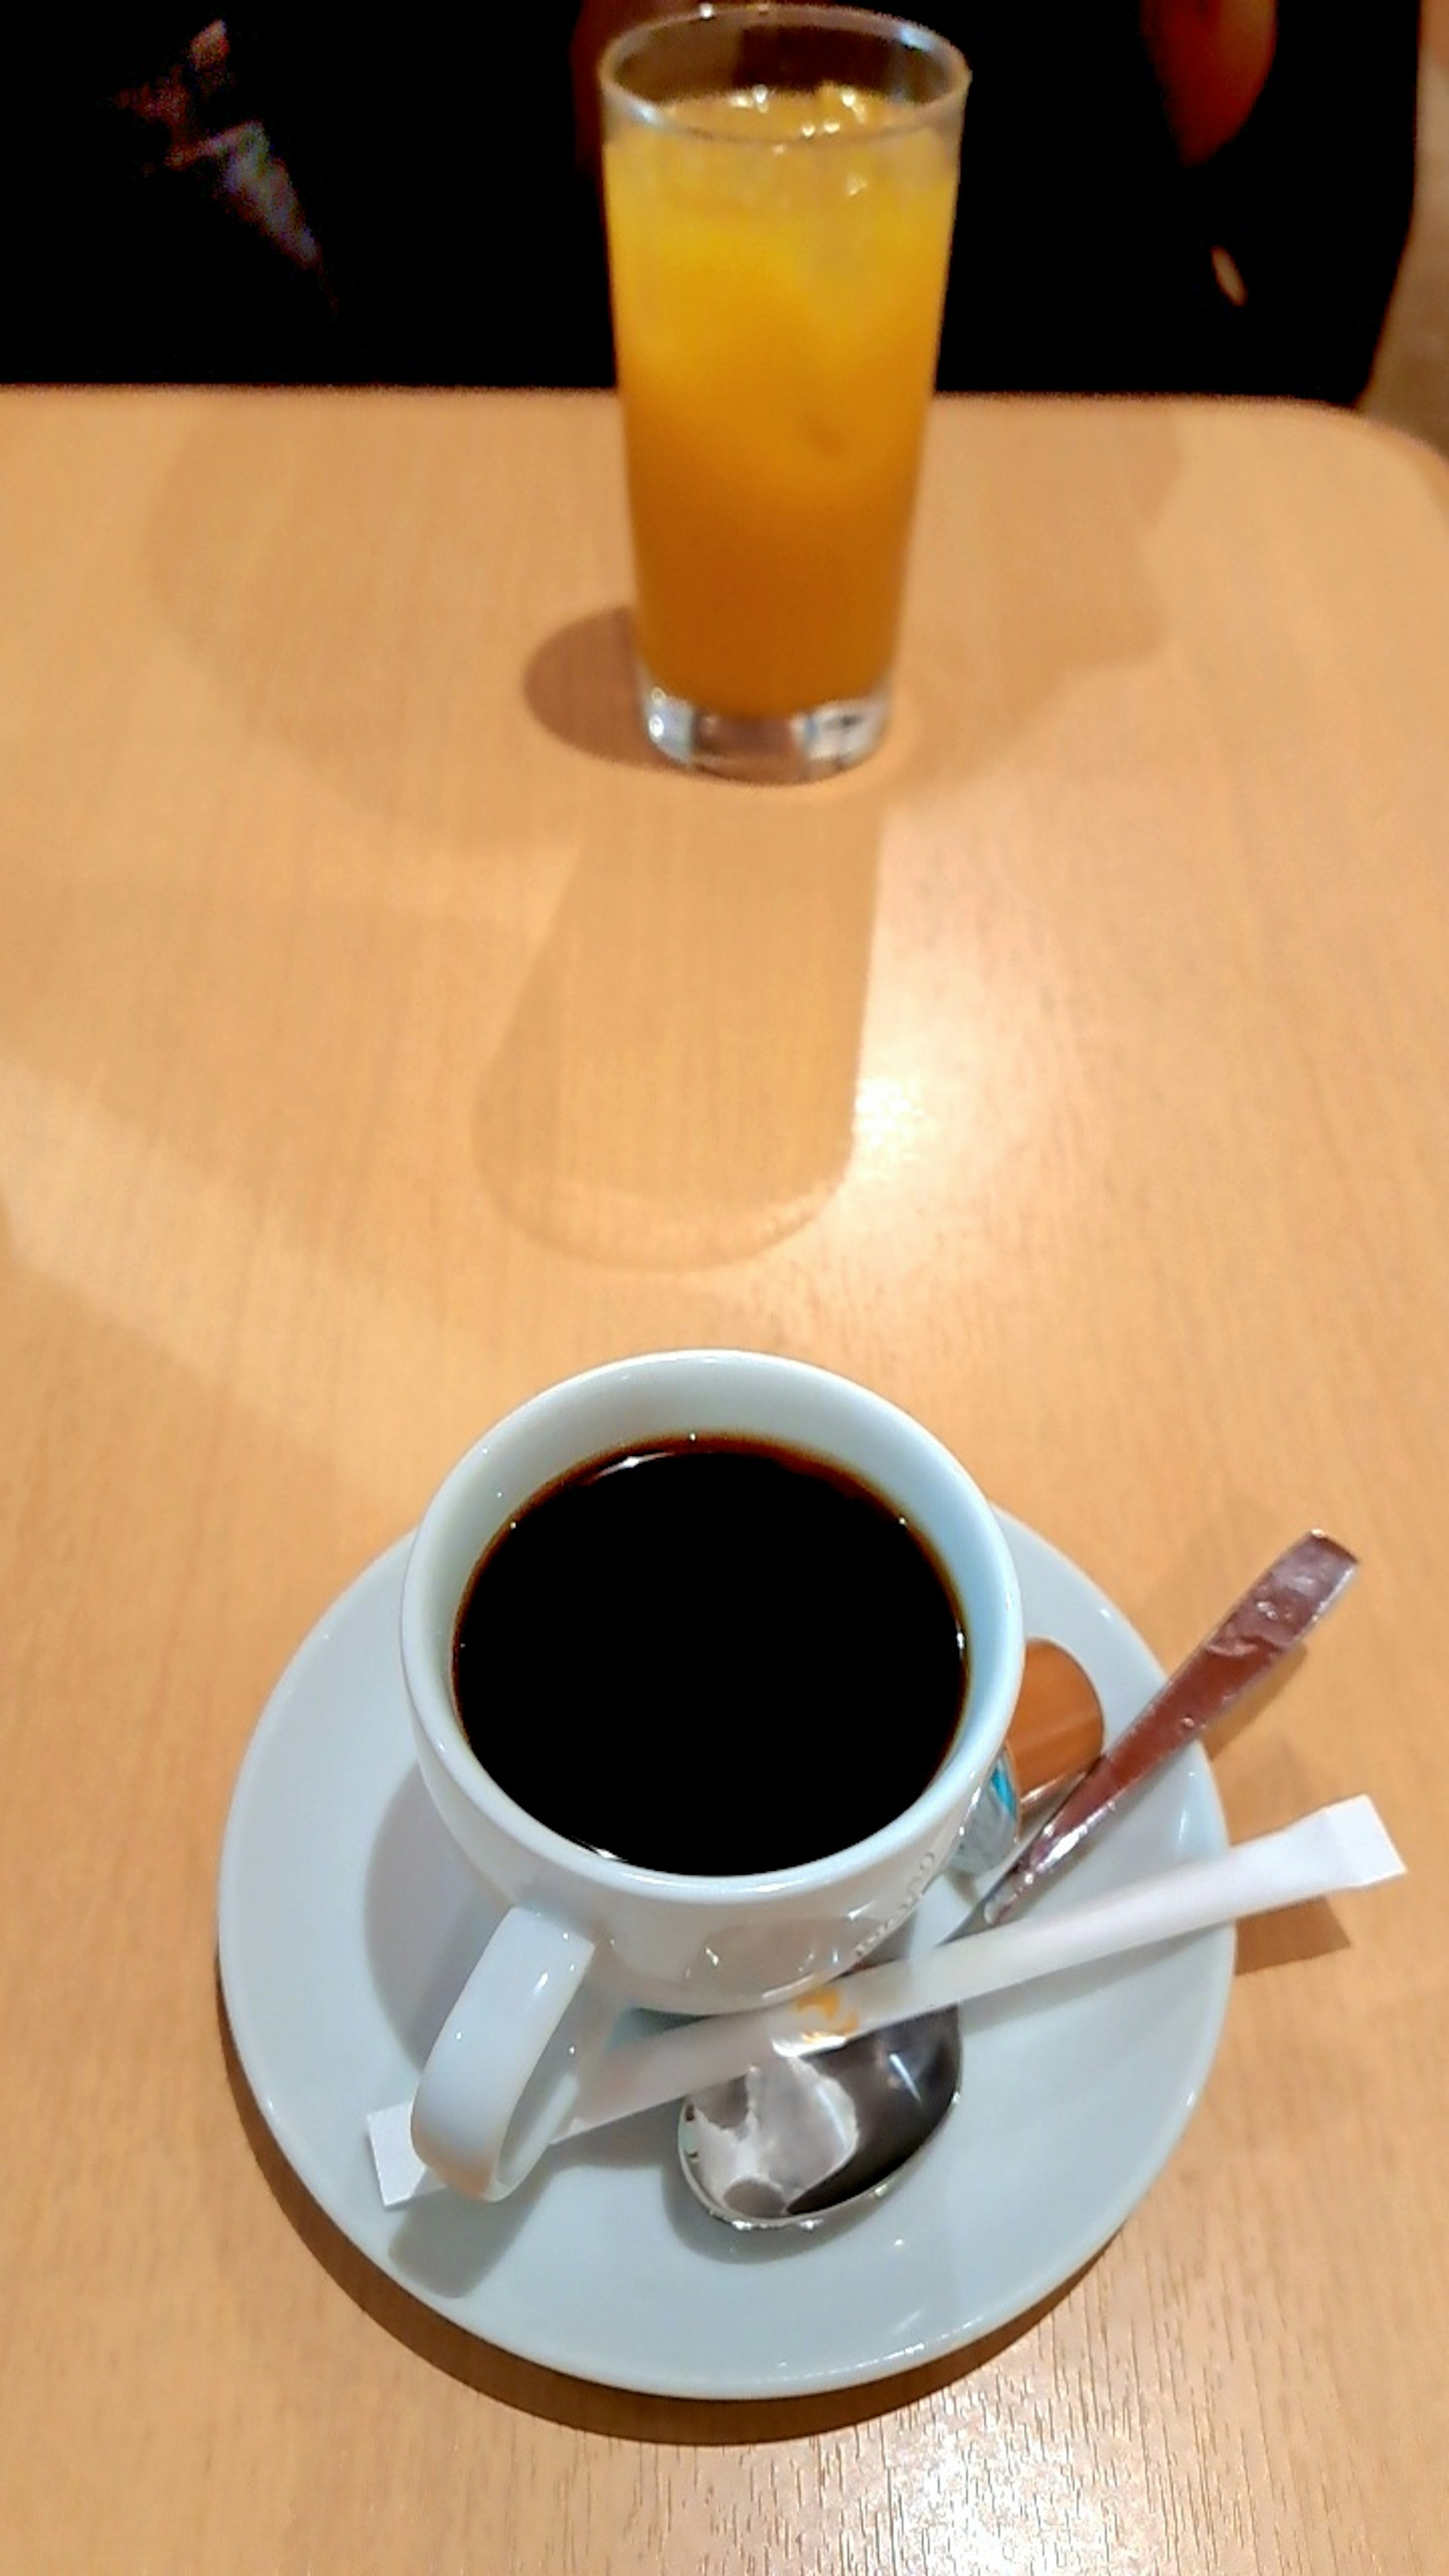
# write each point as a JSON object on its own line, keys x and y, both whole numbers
{"x": 452, "y": 231}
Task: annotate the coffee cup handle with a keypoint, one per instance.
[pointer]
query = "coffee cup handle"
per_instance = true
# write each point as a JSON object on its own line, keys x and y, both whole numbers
{"x": 493, "y": 2093}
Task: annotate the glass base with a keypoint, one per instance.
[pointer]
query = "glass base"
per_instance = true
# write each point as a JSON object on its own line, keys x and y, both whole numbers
{"x": 773, "y": 750}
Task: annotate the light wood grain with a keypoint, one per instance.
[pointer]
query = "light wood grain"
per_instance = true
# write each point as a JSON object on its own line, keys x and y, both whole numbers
{"x": 381, "y": 1036}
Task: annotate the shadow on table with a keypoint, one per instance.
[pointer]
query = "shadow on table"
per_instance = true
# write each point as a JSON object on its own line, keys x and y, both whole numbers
{"x": 579, "y": 686}
{"x": 621, "y": 2414}
{"x": 1295, "y": 1932}
{"x": 675, "y": 1084}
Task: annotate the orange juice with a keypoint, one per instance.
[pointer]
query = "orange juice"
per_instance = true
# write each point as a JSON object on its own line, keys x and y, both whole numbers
{"x": 777, "y": 262}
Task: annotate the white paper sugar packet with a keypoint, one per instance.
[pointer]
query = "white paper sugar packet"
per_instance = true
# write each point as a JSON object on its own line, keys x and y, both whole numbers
{"x": 1328, "y": 1853}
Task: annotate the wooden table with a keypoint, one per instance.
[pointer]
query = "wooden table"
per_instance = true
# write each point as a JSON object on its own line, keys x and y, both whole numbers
{"x": 385, "y": 1036}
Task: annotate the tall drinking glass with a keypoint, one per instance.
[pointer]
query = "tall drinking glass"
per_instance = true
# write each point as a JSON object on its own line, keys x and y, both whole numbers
{"x": 780, "y": 185}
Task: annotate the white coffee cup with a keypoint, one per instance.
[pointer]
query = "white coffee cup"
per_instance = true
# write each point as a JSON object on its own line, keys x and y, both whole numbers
{"x": 587, "y": 1936}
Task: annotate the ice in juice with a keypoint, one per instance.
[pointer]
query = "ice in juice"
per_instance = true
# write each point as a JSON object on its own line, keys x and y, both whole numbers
{"x": 778, "y": 262}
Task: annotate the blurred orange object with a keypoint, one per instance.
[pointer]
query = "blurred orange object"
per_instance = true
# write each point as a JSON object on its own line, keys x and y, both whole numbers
{"x": 1056, "y": 1730}
{"x": 1212, "y": 58}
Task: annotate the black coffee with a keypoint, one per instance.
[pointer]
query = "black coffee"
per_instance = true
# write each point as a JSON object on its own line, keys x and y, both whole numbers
{"x": 710, "y": 1656}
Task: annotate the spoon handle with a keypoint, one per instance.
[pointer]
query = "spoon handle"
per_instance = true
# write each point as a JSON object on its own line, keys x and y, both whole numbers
{"x": 1274, "y": 1614}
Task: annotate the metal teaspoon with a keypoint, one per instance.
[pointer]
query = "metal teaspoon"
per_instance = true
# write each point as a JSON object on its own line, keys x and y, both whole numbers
{"x": 797, "y": 2141}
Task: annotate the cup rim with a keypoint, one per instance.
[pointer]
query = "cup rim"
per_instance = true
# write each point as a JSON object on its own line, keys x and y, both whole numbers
{"x": 883, "y": 26}
{"x": 992, "y": 1679}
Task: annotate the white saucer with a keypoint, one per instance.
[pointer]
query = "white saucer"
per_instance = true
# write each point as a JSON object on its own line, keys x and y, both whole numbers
{"x": 348, "y": 1922}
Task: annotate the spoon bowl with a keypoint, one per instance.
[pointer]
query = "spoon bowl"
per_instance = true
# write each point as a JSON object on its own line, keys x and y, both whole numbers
{"x": 792, "y": 2144}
